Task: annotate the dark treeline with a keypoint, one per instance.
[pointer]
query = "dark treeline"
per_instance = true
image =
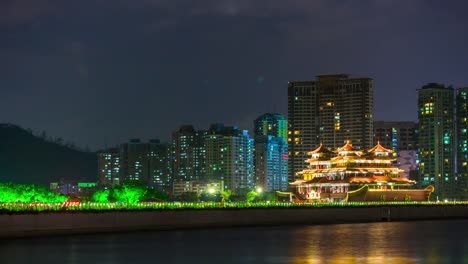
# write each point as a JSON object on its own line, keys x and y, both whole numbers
{"x": 27, "y": 157}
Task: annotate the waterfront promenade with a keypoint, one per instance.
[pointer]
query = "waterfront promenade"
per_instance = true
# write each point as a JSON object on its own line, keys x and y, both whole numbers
{"x": 37, "y": 223}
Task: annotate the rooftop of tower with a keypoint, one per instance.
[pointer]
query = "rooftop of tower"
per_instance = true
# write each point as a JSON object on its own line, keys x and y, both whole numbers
{"x": 436, "y": 86}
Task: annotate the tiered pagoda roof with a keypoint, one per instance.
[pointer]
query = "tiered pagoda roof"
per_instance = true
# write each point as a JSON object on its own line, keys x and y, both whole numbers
{"x": 350, "y": 162}
{"x": 393, "y": 170}
{"x": 379, "y": 148}
{"x": 348, "y": 147}
{"x": 320, "y": 153}
{"x": 367, "y": 180}
{"x": 320, "y": 150}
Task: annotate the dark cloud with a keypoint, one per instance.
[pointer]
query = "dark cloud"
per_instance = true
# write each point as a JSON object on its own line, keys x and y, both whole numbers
{"x": 102, "y": 71}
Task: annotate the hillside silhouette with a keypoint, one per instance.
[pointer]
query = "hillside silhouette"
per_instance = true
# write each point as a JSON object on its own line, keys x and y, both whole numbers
{"x": 28, "y": 158}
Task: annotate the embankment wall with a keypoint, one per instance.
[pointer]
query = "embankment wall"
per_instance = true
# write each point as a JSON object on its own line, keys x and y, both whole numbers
{"x": 58, "y": 223}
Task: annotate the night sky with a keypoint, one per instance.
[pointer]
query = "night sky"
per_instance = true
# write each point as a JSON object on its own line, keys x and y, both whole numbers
{"x": 99, "y": 72}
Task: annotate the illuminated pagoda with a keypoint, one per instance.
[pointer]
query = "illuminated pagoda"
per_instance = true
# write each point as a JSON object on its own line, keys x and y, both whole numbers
{"x": 352, "y": 174}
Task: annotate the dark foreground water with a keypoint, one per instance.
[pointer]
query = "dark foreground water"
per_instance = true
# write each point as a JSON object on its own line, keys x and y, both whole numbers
{"x": 402, "y": 242}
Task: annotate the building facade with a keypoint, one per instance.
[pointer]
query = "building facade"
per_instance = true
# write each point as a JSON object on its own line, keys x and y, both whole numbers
{"x": 331, "y": 109}
{"x": 109, "y": 167}
{"x": 160, "y": 165}
{"x": 271, "y": 124}
{"x": 271, "y": 152}
{"x": 229, "y": 157}
{"x": 134, "y": 161}
{"x": 436, "y": 138}
{"x": 188, "y": 152}
{"x": 184, "y": 150}
{"x": 147, "y": 162}
{"x": 399, "y": 135}
{"x": 199, "y": 187}
{"x": 462, "y": 140}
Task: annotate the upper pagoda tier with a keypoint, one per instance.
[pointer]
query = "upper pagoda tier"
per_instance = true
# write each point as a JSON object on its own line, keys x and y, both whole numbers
{"x": 348, "y": 150}
{"x": 349, "y": 161}
{"x": 320, "y": 150}
{"x": 378, "y": 149}
{"x": 320, "y": 153}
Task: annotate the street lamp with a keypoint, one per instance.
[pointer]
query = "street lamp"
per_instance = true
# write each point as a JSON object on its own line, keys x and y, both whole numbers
{"x": 211, "y": 190}
{"x": 259, "y": 190}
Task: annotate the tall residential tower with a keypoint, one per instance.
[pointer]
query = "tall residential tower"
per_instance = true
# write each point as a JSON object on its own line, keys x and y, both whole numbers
{"x": 436, "y": 138}
{"x": 229, "y": 157}
{"x": 330, "y": 110}
{"x": 462, "y": 139}
{"x": 271, "y": 152}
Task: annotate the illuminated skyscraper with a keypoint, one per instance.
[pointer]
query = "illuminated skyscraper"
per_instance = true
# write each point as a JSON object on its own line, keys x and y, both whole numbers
{"x": 436, "y": 138}
{"x": 462, "y": 138}
{"x": 271, "y": 164}
{"x": 332, "y": 109}
{"x": 229, "y": 157}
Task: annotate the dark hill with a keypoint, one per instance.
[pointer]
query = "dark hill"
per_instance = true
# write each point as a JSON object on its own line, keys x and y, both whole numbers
{"x": 26, "y": 158}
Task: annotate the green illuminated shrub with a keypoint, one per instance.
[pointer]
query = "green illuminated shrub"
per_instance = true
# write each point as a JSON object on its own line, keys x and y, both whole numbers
{"x": 225, "y": 195}
{"x": 101, "y": 196}
{"x": 250, "y": 196}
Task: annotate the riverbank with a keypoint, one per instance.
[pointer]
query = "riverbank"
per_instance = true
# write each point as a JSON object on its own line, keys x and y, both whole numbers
{"x": 61, "y": 223}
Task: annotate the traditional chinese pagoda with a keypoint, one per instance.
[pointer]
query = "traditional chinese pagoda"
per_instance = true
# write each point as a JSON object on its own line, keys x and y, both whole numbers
{"x": 351, "y": 174}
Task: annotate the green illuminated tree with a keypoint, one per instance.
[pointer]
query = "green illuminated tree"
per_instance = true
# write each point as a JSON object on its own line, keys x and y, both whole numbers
{"x": 101, "y": 196}
{"x": 251, "y": 196}
{"x": 8, "y": 194}
{"x": 226, "y": 195}
{"x": 130, "y": 192}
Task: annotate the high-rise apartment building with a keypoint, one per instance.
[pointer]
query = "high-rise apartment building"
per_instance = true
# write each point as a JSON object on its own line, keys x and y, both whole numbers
{"x": 462, "y": 138}
{"x": 109, "y": 167}
{"x": 271, "y": 149}
{"x": 270, "y": 124}
{"x": 229, "y": 157}
{"x": 331, "y": 109}
{"x": 160, "y": 165}
{"x": 188, "y": 151}
{"x": 149, "y": 163}
{"x": 184, "y": 144}
{"x": 436, "y": 138}
{"x": 134, "y": 161}
{"x": 399, "y": 135}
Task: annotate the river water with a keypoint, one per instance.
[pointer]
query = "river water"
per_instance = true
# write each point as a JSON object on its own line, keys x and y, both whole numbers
{"x": 385, "y": 242}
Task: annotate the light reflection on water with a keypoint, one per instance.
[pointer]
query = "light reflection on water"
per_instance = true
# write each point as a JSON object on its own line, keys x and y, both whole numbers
{"x": 403, "y": 242}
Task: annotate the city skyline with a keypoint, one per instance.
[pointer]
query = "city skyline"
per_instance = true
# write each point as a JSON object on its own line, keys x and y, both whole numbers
{"x": 224, "y": 61}
{"x": 251, "y": 130}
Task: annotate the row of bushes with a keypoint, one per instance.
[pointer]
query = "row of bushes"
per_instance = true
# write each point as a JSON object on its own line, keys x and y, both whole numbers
{"x": 130, "y": 192}
{"x": 28, "y": 193}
